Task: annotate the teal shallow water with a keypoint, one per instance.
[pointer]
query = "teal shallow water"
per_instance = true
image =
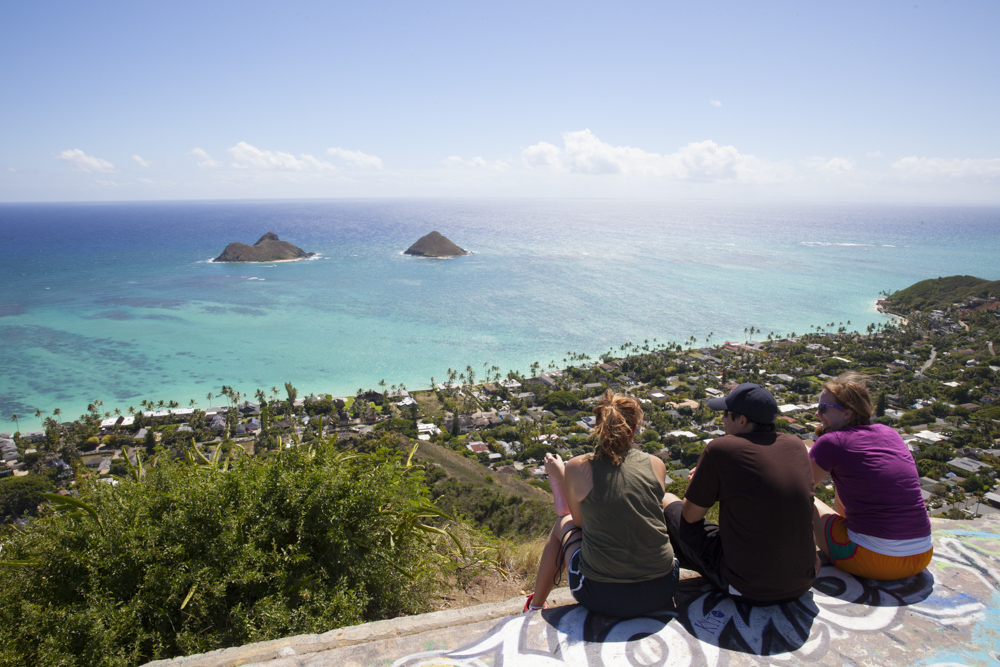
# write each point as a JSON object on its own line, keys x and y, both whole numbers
{"x": 117, "y": 301}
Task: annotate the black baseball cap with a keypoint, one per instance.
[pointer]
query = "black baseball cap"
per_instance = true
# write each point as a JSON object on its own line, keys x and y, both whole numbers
{"x": 748, "y": 399}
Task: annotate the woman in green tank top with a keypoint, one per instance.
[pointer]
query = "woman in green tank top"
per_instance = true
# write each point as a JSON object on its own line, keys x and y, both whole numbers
{"x": 613, "y": 538}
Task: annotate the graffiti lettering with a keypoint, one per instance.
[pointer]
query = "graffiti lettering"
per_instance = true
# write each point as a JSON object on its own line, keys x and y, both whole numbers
{"x": 952, "y": 592}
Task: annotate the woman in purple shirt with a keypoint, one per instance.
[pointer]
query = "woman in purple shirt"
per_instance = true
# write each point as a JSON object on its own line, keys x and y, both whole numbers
{"x": 878, "y": 527}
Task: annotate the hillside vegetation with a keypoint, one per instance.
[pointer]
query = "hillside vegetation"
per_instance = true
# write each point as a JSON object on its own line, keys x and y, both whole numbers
{"x": 938, "y": 293}
{"x": 185, "y": 558}
{"x": 508, "y": 506}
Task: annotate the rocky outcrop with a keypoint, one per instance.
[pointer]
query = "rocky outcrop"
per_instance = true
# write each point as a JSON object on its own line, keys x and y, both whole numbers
{"x": 434, "y": 245}
{"x": 268, "y": 249}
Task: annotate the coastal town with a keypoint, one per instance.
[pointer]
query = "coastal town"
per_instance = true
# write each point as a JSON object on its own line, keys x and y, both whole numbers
{"x": 934, "y": 372}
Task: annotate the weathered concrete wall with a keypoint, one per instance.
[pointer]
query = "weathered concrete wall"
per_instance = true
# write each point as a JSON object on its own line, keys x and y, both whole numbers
{"x": 947, "y": 615}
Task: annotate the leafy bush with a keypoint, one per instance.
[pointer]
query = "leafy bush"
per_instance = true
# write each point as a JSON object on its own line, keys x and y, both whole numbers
{"x": 399, "y": 425}
{"x": 22, "y": 495}
{"x": 921, "y": 416}
{"x": 537, "y": 452}
{"x": 649, "y": 435}
{"x": 194, "y": 558}
{"x": 562, "y": 400}
{"x": 119, "y": 468}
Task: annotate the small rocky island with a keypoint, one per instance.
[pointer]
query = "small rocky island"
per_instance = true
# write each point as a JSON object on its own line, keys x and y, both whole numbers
{"x": 268, "y": 249}
{"x": 434, "y": 245}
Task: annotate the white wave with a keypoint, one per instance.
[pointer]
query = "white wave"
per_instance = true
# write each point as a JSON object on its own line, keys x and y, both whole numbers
{"x": 826, "y": 244}
{"x": 467, "y": 252}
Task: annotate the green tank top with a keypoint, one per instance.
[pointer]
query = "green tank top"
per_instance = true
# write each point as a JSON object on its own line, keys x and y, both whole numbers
{"x": 624, "y": 535}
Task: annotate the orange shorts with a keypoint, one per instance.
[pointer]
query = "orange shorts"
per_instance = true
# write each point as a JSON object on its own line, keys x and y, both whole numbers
{"x": 861, "y": 562}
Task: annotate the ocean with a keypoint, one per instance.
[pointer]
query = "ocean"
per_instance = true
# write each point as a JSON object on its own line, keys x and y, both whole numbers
{"x": 119, "y": 301}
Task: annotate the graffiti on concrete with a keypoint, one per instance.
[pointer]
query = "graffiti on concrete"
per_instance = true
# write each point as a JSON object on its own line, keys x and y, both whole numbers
{"x": 951, "y": 595}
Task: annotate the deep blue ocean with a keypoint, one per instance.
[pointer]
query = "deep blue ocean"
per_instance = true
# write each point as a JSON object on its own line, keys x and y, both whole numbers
{"x": 119, "y": 302}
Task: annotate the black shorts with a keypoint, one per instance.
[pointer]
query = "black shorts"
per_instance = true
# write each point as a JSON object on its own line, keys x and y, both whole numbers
{"x": 622, "y": 600}
{"x": 698, "y": 546}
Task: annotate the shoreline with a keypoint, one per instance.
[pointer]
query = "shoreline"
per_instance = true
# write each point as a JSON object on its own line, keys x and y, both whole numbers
{"x": 214, "y": 260}
{"x": 30, "y": 423}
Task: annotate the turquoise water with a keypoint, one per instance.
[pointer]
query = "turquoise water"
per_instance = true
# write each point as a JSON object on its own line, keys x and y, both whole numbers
{"x": 118, "y": 302}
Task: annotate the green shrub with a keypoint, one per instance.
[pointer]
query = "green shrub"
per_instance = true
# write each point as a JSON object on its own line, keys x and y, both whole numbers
{"x": 194, "y": 558}
{"x": 398, "y": 425}
{"x": 22, "y": 495}
{"x": 562, "y": 400}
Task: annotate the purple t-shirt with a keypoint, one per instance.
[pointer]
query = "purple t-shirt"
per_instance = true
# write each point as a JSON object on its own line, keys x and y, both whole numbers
{"x": 876, "y": 480}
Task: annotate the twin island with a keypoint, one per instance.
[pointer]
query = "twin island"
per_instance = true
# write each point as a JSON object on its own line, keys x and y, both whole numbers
{"x": 269, "y": 248}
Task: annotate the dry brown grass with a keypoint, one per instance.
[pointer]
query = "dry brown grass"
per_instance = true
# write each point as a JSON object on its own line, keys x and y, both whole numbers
{"x": 522, "y": 559}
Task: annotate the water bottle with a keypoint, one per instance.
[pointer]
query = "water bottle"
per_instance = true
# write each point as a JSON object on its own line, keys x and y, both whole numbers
{"x": 562, "y": 508}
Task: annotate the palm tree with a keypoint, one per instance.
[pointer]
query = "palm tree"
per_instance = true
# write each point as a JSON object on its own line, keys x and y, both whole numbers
{"x": 14, "y": 418}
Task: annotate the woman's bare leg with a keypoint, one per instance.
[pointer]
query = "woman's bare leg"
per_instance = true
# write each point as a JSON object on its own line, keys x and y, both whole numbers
{"x": 821, "y": 512}
{"x": 547, "y": 572}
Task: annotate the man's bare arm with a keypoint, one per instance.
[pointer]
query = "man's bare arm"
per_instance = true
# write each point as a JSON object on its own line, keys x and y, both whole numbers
{"x": 693, "y": 513}
{"x": 818, "y": 474}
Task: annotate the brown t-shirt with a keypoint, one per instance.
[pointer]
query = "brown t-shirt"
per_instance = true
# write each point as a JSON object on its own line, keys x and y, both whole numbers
{"x": 763, "y": 484}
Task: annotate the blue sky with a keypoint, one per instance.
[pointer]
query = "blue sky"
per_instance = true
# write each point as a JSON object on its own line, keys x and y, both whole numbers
{"x": 846, "y": 101}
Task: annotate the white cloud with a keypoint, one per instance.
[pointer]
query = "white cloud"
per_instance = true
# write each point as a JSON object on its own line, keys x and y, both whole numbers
{"x": 542, "y": 154}
{"x": 205, "y": 160}
{"x": 584, "y": 153}
{"x": 142, "y": 163}
{"x": 456, "y": 161}
{"x": 836, "y": 165}
{"x": 86, "y": 163}
{"x": 874, "y": 154}
{"x": 715, "y": 103}
{"x": 246, "y": 156}
{"x": 356, "y": 159}
{"x": 936, "y": 168}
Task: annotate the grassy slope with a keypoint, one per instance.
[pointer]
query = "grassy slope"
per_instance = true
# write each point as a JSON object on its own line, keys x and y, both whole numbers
{"x": 942, "y": 292}
{"x": 468, "y": 470}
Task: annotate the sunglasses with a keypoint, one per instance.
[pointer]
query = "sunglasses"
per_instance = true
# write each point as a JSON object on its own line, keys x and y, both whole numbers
{"x": 823, "y": 407}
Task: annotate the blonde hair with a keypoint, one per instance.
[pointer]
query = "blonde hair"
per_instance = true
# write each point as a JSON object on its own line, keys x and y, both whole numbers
{"x": 851, "y": 391}
{"x": 618, "y": 418}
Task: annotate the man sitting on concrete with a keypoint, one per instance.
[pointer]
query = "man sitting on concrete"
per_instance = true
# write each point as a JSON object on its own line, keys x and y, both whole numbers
{"x": 763, "y": 548}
